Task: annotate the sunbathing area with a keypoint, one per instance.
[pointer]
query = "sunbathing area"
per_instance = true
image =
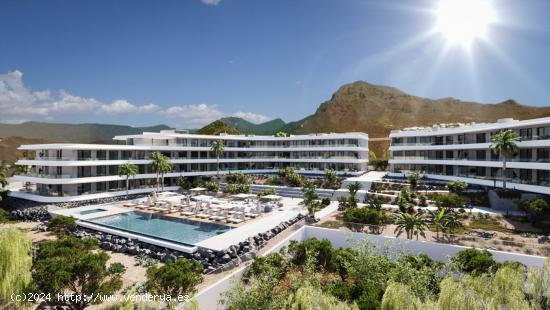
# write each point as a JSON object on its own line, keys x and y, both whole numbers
{"x": 187, "y": 221}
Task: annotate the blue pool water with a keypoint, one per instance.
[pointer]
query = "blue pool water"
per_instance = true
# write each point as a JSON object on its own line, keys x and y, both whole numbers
{"x": 161, "y": 227}
{"x": 91, "y": 211}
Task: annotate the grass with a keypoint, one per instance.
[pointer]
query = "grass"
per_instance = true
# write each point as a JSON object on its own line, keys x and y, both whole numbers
{"x": 332, "y": 224}
{"x": 488, "y": 224}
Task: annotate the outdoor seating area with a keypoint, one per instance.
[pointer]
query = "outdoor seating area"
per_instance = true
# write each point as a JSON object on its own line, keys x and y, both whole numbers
{"x": 234, "y": 209}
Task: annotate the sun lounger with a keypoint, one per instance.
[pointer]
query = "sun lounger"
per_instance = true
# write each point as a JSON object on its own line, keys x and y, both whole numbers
{"x": 189, "y": 211}
{"x": 205, "y": 214}
{"x": 236, "y": 218}
{"x": 220, "y": 216}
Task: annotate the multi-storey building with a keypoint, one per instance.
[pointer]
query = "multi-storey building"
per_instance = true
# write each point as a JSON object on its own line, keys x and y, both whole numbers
{"x": 70, "y": 172}
{"x": 463, "y": 153}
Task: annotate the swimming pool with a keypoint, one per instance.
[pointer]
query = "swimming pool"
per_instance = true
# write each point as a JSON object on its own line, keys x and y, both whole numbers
{"x": 161, "y": 227}
{"x": 92, "y": 211}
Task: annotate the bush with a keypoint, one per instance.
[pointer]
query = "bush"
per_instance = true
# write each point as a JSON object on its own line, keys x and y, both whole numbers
{"x": 4, "y": 216}
{"x": 238, "y": 178}
{"x": 175, "y": 278}
{"x": 320, "y": 249}
{"x": 538, "y": 208}
{"x": 456, "y": 187}
{"x": 212, "y": 187}
{"x": 325, "y": 201}
{"x": 62, "y": 225}
{"x": 70, "y": 265}
{"x": 366, "y": 216}
{"x": 273, "y": 265}
{"x": 268, "y": 191}
{"x": 450, "y": 201}
{"x": 475, "y": 262}
{"x": 237, "y": 188}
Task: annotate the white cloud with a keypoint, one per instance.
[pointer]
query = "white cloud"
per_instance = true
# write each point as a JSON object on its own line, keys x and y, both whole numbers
{"x": 253, "y": 117}
{"x": 194, "y": 115}
{"x": 211, "y": 2}
{"x": 19, "y": 102}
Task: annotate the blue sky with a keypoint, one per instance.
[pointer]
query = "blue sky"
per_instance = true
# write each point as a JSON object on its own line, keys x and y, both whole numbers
{"x": 185, "y": 63}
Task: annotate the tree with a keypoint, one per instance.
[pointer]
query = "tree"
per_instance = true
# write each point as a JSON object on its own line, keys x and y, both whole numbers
{"x": 62, "y": 225}
{"x": 165, "y": 167}
{"x": 175, "y": 278}
{"x": 353, "y": 188}
{"x": 474, "y": 261}
{"x": 456, "y": 187}
{"x": 438, "y": 219}
{"x": 217, "y": 148}
{"x": 183, "y": 183}
{"x": 73, "y": 266}
{"x": 128, "y": 170}
{"x": 412, "y": 225}
{"x": 537, "y": 209}
{"x": 505, "y": 145}
{"x": 413, "y": 179}
{"x": 310, "y": 198}
{"x": 331, "y": 177}
{"x": 15, "y": 262}
{"x": 452, "y": 221}
{"x": 280, "y": 134}
{"x": 3, "y": 177}
{"x": 158, "y": 164}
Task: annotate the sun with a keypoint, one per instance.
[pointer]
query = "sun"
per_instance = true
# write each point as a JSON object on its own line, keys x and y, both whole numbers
{"x": 464, "y": 21}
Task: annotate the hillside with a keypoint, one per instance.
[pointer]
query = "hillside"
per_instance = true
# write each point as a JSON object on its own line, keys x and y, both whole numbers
{"x": 246, "y": 127}
{"x": 83, "y": 133}
{"x": 216, "y": 128}
{"x": 8, "y": 148}
{"x": 361, "y": 106}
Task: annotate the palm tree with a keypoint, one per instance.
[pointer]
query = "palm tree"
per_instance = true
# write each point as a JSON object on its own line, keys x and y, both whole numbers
{"x": 158, "y": 162}
{"x": 280, "y": 134}
{"x": 438, "y": 219}
{"x": 353, "y": 188}
{"x": 165, "y": 167}
{"x": 412, "y": 225}
{"x": 128, "y": 170}
{"x": 217, "y": 148}
{"x": 452, "y": 221}
{"x": 504, "y": 144}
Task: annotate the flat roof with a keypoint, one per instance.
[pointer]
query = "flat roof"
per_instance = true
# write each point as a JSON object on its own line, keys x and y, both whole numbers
{"x": 158, "y": 135}
{"x": 469, "y": 128}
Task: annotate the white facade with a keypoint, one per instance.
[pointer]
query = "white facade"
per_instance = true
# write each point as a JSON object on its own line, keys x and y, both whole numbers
{"x": 463, "y": 153}
{"x": 70, "y": 172}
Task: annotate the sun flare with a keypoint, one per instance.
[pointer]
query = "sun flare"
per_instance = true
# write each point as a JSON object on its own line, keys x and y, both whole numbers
{"x": 464, "y": 21}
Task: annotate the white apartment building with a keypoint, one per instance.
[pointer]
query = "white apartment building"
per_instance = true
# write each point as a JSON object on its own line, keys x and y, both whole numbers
{"x": 72, "y": 172}
{"x": 462, "y": 152}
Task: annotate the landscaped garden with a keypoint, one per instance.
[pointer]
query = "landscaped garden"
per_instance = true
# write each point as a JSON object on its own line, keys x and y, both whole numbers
{"x": 314, "y": 275}
{"x": 447, "y": 220}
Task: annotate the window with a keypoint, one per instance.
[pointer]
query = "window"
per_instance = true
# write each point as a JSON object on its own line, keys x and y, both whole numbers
{"x": 525, "y": 154}
{"x": 543, "y": 155}
{"x": 101, "y": 155}
{"x": 480, "y": 154}
{"x": 113, "y": 155}
{"x": 480, "y": 138}
{"x": 526, "y": 133}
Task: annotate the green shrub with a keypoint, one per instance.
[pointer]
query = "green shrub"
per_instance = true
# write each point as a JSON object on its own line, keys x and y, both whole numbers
{"x": 237, "y": 188}
{"x": 366, "y": 216}
{"x": 273, "y": 265}
{"x": 62, "y": 225}
{"x": 4, "y": 216}
{"x": 238, "y": 178}
{"x": 448, "y": 201}
{"x": 175, "y": 278}
{"x": 268, "y": 191}
{"x": 71, "y": 265}
{"x": 456, "y": 187}
{"x": 212, "y": 187}
{"x": 325, "y": 201}
{"x": 475, "y": 262}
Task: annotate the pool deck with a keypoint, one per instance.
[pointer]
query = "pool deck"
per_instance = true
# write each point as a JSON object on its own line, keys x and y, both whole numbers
{"x": 239, "y": 233}
{"x": 267, "y": 221}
